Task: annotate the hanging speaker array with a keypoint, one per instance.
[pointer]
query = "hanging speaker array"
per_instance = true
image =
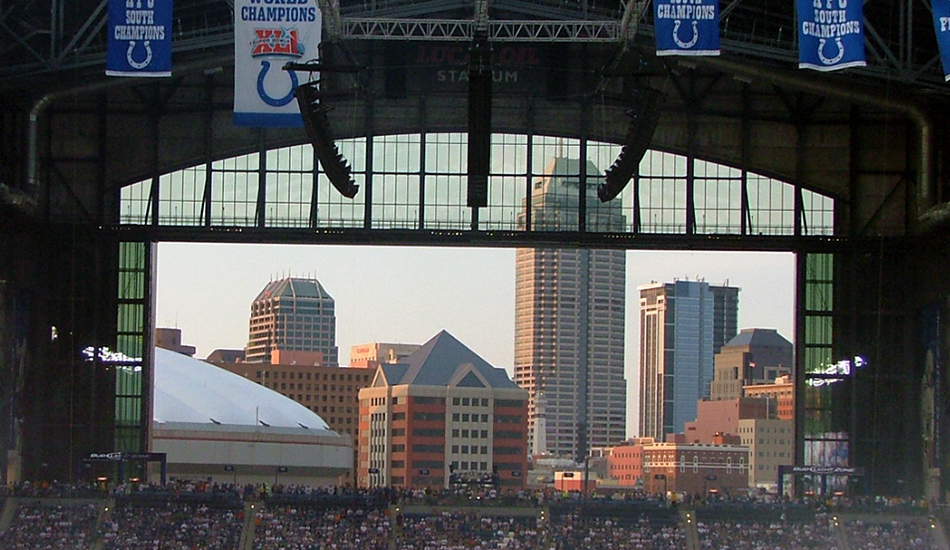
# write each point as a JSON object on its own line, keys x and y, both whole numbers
{"x": 479, "y": 121}
{"x": 644, "y": 115}
{"x": 317, "y": 124}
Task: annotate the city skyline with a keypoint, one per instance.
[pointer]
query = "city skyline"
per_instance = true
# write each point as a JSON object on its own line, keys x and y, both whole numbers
{"x": 408, "y": 294}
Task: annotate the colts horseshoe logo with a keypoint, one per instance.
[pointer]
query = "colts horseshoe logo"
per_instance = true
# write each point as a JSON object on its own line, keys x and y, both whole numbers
{"x": 689, "y": 43}
{"x": 275, "y": 101}
{"x": 830, "y": 60}
{"x": 139, "y": 64}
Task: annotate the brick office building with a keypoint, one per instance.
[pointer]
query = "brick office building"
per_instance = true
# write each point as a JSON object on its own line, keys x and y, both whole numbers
{"x": 695, "y": 469}
{"x": 441, "y": 417}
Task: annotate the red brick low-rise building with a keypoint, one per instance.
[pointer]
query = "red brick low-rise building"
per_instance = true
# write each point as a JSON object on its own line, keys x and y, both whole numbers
{"x": 679, "y": 467}
{"x": 444, "y": 416}
{"x": 695, "y": 469}
{"x": 625, "y": 462}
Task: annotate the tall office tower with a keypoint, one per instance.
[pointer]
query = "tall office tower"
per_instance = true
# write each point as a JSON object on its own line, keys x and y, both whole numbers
{"x": 725, "y": 314}
{"x": 293, "y": 321}
{"x": 677, "y": 347}
{"x": 569, "y": 322}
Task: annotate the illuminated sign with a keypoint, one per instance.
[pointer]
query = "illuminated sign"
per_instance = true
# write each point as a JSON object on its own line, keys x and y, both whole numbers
{"x": 840, "y": 369}
{"x": 108, "y": 356}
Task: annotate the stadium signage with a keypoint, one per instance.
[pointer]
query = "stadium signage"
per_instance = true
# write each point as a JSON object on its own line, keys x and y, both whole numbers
{"x": 941, "y": 13}
{"x": 119, "y": 456}
{"x": 828, "y": 470}
{"x": 830, "y": 34}
{"x": 686, "y": 27}
{"x": 266, "y": 37}
{"x": 140, "y": 38}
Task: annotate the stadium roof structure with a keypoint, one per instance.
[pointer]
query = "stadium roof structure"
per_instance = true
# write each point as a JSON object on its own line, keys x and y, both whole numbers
{"x": 444, "y": 361}
{"x": 191, "y": 391}
{"x": 45, "y": 37}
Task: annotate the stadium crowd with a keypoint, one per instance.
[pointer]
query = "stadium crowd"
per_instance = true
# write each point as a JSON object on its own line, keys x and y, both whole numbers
{"x": 172, "y": 526}
{"x": 292, "y": 528}
{"x": 186, "y": 515}
{"x": 892, "y": 535}
{"x": 37, "y": 527}
{"x": 465, "y": 531}
{"x": 573, "y": 532}
{"x": 749, "y": 535}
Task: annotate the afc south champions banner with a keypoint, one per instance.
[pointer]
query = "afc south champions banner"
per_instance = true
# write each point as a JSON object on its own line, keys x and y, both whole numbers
{"x": 140, "y": 38}
{"x": 267, "y": 35}
{"x": 686, "y": 27}
{"x": 830, "y": 34}
{"x": 941, "y": 11}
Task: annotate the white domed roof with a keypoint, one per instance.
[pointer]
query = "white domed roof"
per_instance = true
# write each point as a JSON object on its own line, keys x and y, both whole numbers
{"x": 192, "y": 391}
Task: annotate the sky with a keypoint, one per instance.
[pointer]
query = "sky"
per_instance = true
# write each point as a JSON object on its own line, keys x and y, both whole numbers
{"x": 409, "y": 294}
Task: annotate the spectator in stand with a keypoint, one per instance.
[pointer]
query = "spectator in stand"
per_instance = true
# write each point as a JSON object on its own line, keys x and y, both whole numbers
{"x": 893, "y": 535}
{"x": 303, "y": 528}
{"x": 51, "y": 528}
{"x": 172, "y": 526}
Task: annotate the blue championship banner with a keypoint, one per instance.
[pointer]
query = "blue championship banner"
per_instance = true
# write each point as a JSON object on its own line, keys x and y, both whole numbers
{"x": 267, "y": 35}
{"x": 686, "y": 27}
{"x": 140, "y": 38}
{"x": 830, "y": 34}
{"x": 941, "y": 11}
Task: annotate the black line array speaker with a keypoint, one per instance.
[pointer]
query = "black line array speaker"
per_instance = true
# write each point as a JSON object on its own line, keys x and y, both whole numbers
{"x": 315, "y": 121}
{"x": 479, "y": 121}
{"x": 644, "y": 116}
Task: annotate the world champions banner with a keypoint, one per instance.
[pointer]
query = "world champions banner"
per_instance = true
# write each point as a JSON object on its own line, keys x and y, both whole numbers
{"x": 941, "y": 12}
{"x": 686, "y": 27}
{"x": 830, "y": 34}
{"x": 267, "y": 35}
{"x": 140, "y": 38}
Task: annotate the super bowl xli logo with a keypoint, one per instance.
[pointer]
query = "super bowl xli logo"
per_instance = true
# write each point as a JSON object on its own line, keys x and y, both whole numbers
{"x": 276, "y": 43}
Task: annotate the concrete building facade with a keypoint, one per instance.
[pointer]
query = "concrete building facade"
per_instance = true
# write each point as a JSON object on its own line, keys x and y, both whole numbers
{"x": 170, "y": 339}
{"x": 715, "y": 418}
{"x": 442, "y": 417}
{"x": 772, "y": 444}
{"x": 569, "y": 322}
{"x": 677, "y": 347}
{"x": 374, "y": 354}
{"x": 781, "y": 391}
{"x": 292, "y": 315}
{"x": 754, "y": 356}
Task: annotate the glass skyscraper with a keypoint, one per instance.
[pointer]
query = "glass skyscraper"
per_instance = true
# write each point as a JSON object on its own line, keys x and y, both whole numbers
{"x": 682, "y": 326}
